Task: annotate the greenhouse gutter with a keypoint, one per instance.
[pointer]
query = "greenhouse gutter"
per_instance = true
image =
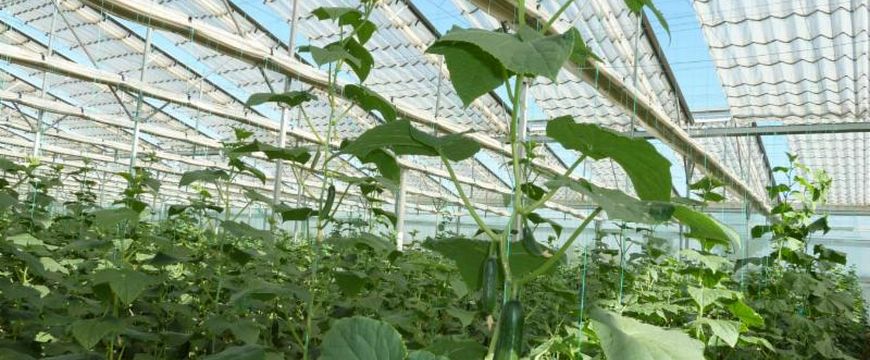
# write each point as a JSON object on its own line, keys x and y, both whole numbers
{"x": 655, "y": 121}
{"x": 233, "y": 45}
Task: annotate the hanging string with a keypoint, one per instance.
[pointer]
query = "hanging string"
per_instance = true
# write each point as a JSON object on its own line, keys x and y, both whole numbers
{"x": 580, "y": 319}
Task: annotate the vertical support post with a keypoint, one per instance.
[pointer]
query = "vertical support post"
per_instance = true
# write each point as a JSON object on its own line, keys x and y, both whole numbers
{"x": 400, "y": 209}
{"x": 138, "y": 115}
{"x": 37, "y": 139}
{"x": 521, "y": 137}
{"x": 634, "y": 74}
{"x": 285, "y": 112}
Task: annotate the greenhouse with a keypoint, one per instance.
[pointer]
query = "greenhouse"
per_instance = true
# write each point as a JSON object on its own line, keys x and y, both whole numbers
{"x": 434, "y": 179}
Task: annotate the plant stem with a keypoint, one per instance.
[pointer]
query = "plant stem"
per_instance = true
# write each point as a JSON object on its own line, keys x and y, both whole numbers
{"x": 556, "y": 15}
{"x": 528, "y": 209}
{"x": 561, "y": 252}
{"x": 465, "y": 201}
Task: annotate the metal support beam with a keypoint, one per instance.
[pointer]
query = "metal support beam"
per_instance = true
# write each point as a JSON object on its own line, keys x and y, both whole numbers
{"x": 285, "y": 112}
{"x": 137, "y": 117}
{"x": 767, "y": 130}
{"x": 401, "y": 199}
{"x": 40, "y": 127}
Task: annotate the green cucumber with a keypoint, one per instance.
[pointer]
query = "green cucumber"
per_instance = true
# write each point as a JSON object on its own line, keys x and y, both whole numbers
{"x": 327, "y": 205}
{"x": 532, "y": 246}
{"x": 489, "y": 292}
{"x": 510, "y": 332}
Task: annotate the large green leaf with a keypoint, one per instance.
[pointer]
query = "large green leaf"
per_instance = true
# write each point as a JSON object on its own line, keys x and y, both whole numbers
{"x": 705, "y": 297}
{"x": 473, "y": 72}
{"x": 404, "y": 139}
{"x": 362, "y": 339}
{"x": 244, "y": 230}
{"x": 527, "y": 52}
{"x": 364, "y": 240}
{"x": 205, "y": 175}
{"x": 107, "y": 218}
{"x": 648, "y": 170}
{"x": 296, "y": 154}
{"x": 457, "y": 349}
{"x": 386, "y": 164}
{"x": 350, "y": 282}
{"x": 727, "y": 330}
{"x": 295, "y": 214}
{"x": 712, "y": 262}
{"x": 469, "y": 255}
{"x": 290, "y": 98}
{"x": 706, "y": 228}
{"x": 350, "y": 51}
{"x": 425, "y": 355}
{"x": 127, "y": 284}
{"x": 369, "y": 100}
{"x": 245, "y": 352}
{"x": 389, "y": 215}
{"x": 745, "y": 313}
{"x": 243, "y": 167}
{"x": 617, "y": 204}
{"x": 626, "y": 338}
{"x": 89, "y": 332}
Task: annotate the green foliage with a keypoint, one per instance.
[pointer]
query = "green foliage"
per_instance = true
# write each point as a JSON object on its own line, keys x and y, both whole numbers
{"x": 364, "y": 339}
{"x": 648, "y": 170}
{"x": 625, "y": 338}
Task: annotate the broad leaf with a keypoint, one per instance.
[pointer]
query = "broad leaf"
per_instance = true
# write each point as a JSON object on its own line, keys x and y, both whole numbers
{"x": 617, "y": 204}
{"x": 745, "y": 314}
{"x": 704, "y": 227}
{"x": 537, "y": 219}
{"x": 107, "y": 218}
{"x": 457, "y": 349}
{"x": 296, "y": 154}
{"x": 705, "y": 297}
{"x": 365, "y": 240}
{"x": 296, "y": 214}
{"x": 712, "y": 262}
{"x": 256, "y": 196}
{"x": 350, "y": 282}
{"x": 206, "y": 176}
{"x": 243, "y": 167}
{"x": 88, "y": 333}
{"x": 527, "y": 52}
{"x": 387, "y": 214}
{"x": 473, "y": 72}
{"x": 404, "y": 139}
{"x": 244, "y": 230}
{"x": 425, "y": 355}
{"x": 469, "y": 255}
{"x": 626, "y": 338}
{"x": 648, "y": 170}
{"x": 290, "y": 98}
{"x": 363, "y": 339}
{"x": 829, "y": 255}
{"x": 245, "y": 352}
{"x": 127, "y": 284}
{"x": 727, "y": 330}
{"x": 369, "y": 100}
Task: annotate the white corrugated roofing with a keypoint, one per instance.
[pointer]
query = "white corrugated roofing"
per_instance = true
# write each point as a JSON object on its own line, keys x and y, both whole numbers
{"x": 799, "y": 62}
